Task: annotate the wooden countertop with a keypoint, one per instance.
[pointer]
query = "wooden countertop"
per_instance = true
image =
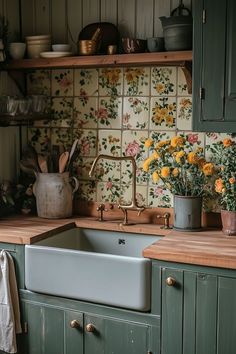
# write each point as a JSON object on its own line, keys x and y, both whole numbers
{"x": 208, "y": 248}
{"x": 28, "y": 230}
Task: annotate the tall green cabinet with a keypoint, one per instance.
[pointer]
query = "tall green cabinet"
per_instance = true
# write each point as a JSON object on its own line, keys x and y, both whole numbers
{"x": 198, "y": 310}
{"x": 214, "y": 70}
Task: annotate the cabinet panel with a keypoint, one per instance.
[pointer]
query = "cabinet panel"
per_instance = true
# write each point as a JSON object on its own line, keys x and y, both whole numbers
{"x": 49, "y": 330}
{"x": 116, "y": 337}
{"x": 206, "y": 312}
{"x": 226, "y": 330}
{"x": 172, "y": 310}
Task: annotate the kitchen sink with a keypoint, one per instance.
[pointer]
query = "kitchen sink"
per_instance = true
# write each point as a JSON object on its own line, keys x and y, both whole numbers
{"x": 105, "y": 267}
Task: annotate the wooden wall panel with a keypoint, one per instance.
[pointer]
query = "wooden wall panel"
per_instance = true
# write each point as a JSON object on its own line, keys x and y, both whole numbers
{"x": 91, "y": 11}
{"x": 59, "y": 21}
{"x": 42, "y": 16}
{"x": 127, "y": 17}
{"x": 28, "y": 17}
{"x": 75, "y": 17}
{"x": 139, "y": 18}
{"x": 109, "y": 11}
{"x": 144, "y": 18}
{"x": 161, "y": 8}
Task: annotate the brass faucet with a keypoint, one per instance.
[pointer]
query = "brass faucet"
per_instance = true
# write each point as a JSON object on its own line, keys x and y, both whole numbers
{"x": 166, "y": 218}
{"x": 133, "y": 205}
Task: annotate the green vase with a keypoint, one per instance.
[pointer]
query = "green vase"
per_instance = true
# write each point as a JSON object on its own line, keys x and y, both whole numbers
{"x": 187, "y": 213}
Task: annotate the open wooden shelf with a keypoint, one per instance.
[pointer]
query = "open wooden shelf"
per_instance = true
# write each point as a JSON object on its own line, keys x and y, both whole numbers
{"x": 140, "y": 59}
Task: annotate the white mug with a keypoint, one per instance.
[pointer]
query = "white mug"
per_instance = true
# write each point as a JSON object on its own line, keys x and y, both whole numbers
{"x": 17, "y": 50}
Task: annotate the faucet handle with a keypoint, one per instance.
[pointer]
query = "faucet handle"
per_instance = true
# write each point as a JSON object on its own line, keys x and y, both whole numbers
{"x": 166, "y": 217}
{"x": 101, "y": 208}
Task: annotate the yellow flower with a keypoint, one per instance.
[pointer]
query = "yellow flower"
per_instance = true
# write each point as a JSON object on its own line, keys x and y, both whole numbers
{"x": 155, "y": 177}
{"x": 232, "y": 180}
{"x": 155, "y": 156}
{"x": 148, "y": 143}
{"x": 179, "y": 155}
{"x": 146, "y": 164}
{"x": 165, "y": 172}
{"x": 185, "y": 102}
{"x": 192, "y": 158}
{"x": 175, "y": 172}
{"x": 227, "y": 142}
{"x": 201, "y": 162}
{"x": 169, "y": 120}
{"x": 219, "y": 185}
{"x": 208, "y": 169}
{"x": 177, "y": 141}
{"x": 160, "y": 88}
{"x": 162, "y": 144}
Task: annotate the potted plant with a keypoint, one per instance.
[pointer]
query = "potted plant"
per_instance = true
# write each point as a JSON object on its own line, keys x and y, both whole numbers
{"x": 224, "y": 153}
{"x": 182, "y": 168}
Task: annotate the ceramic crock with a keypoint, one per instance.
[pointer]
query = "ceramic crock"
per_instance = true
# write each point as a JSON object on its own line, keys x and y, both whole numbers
{"x": 228, "y": 219}
{"x": 54, "y": 195}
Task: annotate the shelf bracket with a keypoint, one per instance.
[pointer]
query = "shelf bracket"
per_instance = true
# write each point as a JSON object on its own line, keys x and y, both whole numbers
{"x": 19, "y": 79}
{"x": 187, "y": 70}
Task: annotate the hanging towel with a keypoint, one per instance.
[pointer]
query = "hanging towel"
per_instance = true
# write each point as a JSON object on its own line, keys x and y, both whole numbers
{"x": 9, "y": 304}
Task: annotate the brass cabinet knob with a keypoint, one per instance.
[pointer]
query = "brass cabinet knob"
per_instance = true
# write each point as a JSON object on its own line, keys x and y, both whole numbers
{"x": 74, "y": 324}
{"x": 90, "y": 328}
{"x": 170, "y": 281}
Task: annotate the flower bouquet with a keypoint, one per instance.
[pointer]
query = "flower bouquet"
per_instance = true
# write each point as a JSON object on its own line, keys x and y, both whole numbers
{"x": 182, "y": 168}
{"x": 224, "y": 153}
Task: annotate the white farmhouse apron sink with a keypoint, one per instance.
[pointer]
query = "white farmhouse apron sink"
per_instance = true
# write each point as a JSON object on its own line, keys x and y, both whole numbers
{"x": 105, "y": 267}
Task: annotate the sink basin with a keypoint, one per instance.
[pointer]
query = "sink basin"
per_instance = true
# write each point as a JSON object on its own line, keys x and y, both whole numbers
{"x": 105, "y": 267}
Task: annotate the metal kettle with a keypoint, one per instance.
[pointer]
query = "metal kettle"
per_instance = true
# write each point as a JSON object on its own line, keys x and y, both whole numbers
{"x": 177, "y": 29}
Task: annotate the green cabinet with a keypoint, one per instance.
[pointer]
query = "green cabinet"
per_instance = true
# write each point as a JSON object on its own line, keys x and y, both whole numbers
{"x": 62, "y": 326}
{"x": 198, "y": 310}
{"x": 214, "y": 72}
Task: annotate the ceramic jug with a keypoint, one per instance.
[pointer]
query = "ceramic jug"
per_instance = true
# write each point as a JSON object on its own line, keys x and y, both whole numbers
{"x": 54, "y": 194}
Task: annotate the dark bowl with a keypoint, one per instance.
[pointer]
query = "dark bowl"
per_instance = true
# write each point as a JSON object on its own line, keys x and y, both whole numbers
{"x": 133, "y": 45}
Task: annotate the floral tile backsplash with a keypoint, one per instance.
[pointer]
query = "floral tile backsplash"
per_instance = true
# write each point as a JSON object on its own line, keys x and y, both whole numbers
{"x": 113, "y": 111}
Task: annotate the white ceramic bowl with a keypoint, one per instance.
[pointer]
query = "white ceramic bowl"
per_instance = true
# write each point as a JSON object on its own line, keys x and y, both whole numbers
{"x": 36, "y": 38}
{"x": 61, "y": 47}
{"x": 34, "y": 50}
{"x": 39, "y": 41}
{"x": 17, "y": 50}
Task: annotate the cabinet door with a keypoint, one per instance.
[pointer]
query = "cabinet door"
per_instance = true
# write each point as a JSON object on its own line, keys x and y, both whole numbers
{"x": 189, "y": 308}
{"x": 226, "y": 329}
{"x": 115, "y": 336}
{"x": 50, "y": 331}
{"x": 230, "y": 88}
{"x": 209, "y": 65}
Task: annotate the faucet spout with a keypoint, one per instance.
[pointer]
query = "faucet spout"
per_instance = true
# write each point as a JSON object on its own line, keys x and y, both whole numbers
{"x": 124, "y": 207}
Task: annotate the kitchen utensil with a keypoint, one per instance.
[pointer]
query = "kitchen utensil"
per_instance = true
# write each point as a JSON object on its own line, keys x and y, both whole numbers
{"x": 177, "y": 29}
{"x": 29, "y": 164}
{"x": 55, "y": 54}
{"x": 27, "y": 168}
{"x": 61, "y": 47}
{"x": 155, "y": 44}
{"x": 63, "y": 160}
{"x": 72, "y": 152}
{"x": 87, "y": 47}
{"x": 30, "y": 154}
{"x": 17, "y": 50}
{"x": 133, "y": 45}
{"x": 97, "y": 34}
{"x": 54, "y": 167}
{"x": 109, "y": 34}
{"x": 43, "y": 163}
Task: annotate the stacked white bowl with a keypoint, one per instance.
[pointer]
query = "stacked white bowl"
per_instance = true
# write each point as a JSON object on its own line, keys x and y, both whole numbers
{"x": 38, "y": 44}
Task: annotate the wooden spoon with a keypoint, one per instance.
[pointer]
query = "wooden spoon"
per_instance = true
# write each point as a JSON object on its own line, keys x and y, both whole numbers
{"x": 43, "y": 164}
{"x": 63, "y": 159}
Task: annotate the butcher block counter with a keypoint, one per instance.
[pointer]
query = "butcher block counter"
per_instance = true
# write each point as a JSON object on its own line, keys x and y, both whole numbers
{"x": 208, "y": 247}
